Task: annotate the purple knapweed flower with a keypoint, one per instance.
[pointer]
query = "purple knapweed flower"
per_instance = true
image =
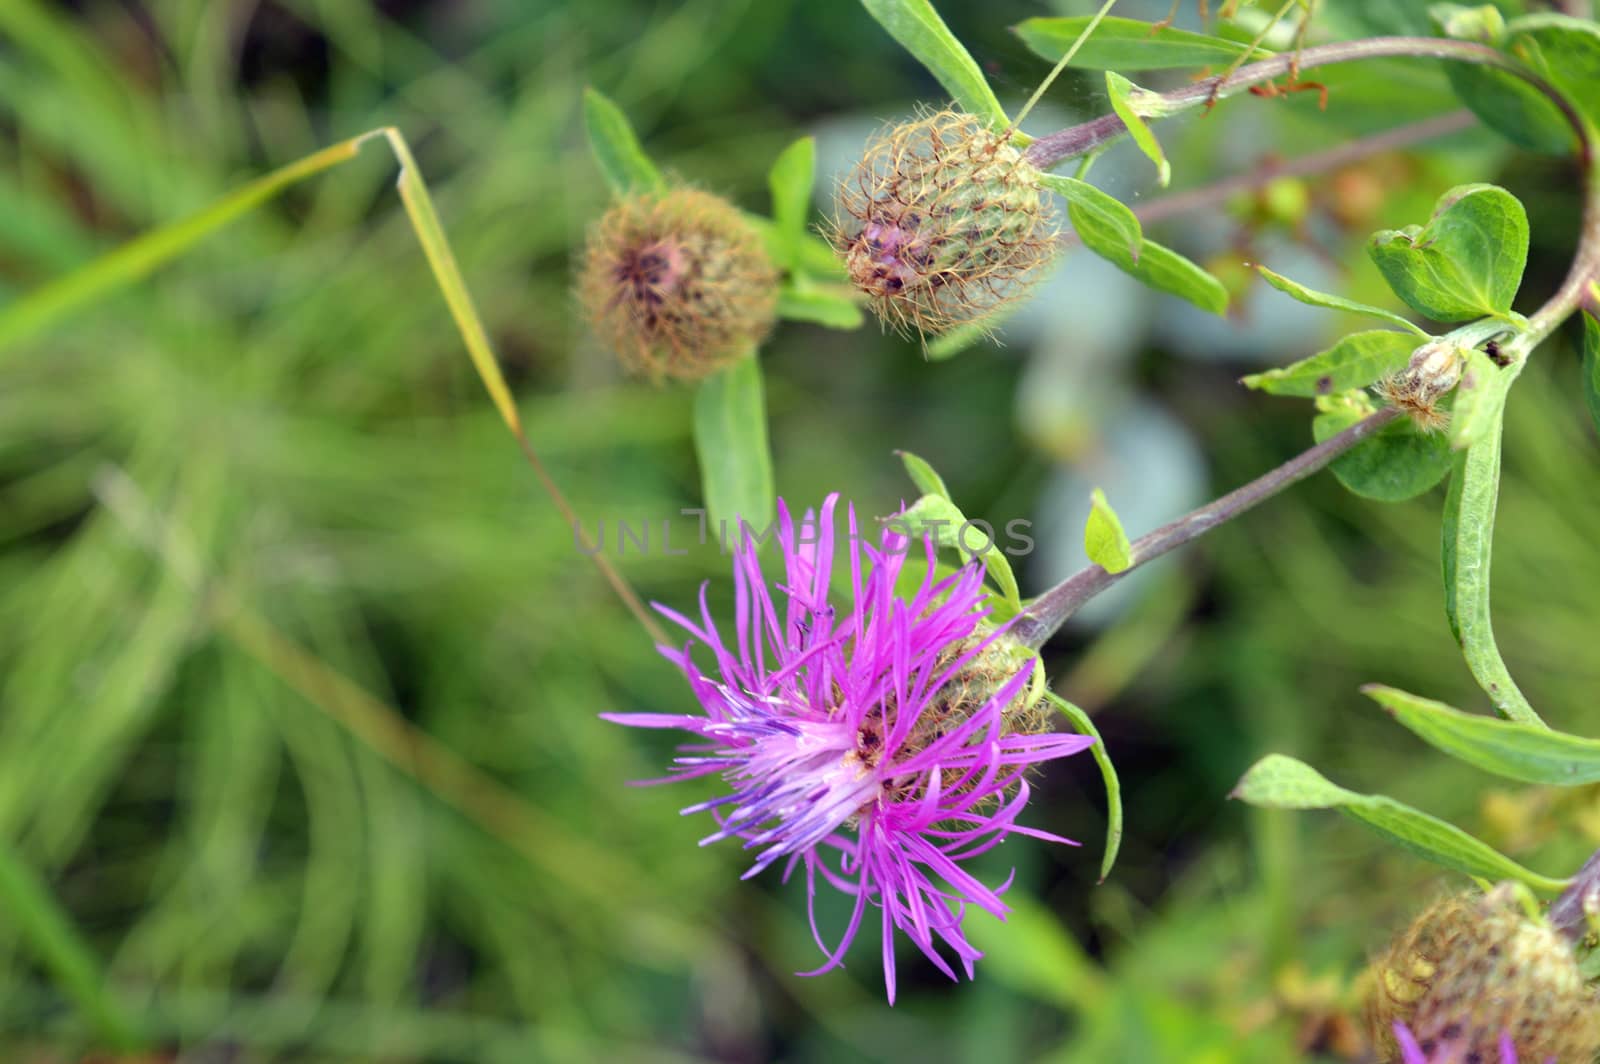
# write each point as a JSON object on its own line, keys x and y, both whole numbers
{"x": 1412, "y": 1053}
{"x": 878, "y": 746}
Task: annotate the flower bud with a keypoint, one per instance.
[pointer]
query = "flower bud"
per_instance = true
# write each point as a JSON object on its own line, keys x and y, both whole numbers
{"x": 943, "y": 223}
{"x": 678, "y": 284}
{"x": 1475, "y": 971}
{"x": 1435, "y": 368}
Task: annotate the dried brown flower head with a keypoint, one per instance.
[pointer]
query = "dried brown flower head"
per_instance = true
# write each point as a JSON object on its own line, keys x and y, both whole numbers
{"x": 677, "y": 283}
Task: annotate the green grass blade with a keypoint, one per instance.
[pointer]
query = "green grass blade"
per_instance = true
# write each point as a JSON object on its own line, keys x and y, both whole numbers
{"x": 134, "y": 260}
{"x": 31, "y": 908}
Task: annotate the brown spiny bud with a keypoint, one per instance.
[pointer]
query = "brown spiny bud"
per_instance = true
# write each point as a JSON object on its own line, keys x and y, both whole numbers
{"x": 1477, "y": 968}
{"x": 1435, "y": 368}
{"x": 677, "y": 283}
{"x": 943, "y": 223}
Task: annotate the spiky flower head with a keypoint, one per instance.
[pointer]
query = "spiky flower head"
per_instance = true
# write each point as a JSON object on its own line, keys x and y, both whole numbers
{"x": 677, "y": 283}
{"x": 877, "y": 745}
{"x": 942, "y": 223}
{"x": 1475, "y": 978}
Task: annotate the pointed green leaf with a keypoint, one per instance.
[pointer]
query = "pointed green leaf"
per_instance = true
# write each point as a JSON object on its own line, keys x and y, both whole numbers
{"x": 1468, "y": 537}
{"x": 1083, "y": 725}
{"x": 920, "y": 31}
{"x": 616, "y": 148}
{"x": 790, "y": 180}
{"x": 935, "y": 515}
{"x": 923, "y": 475}
{"x": 1103, "y": 538}
{"x": 1591, "y": 366}
{"x": 1506, "y": 748}
{"x": 1127, "y": 44}
{"x": 957, "y": 340}
{"x": 1465, "y": 263}
{"x": 1312, "y": 297}
{"x": 1101, "y": 220}
{"x": 1480, "y": 399}
{"x": 1162, "y": 268}
{"x": 1109, "y": 229}
{"x": 1354, "y": 362}
{"x": 1279, "y": 782}
{"x": 832, "y": 307}
{"x": 1503, "y": 101}
{"x": 1120, "y": 91}
{"x": 1399, "y": 462}
{"x": 730, "y": 437}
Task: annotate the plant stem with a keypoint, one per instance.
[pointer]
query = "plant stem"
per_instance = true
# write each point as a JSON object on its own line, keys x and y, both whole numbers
{"x": 1047, "y": 613}
{"x": 1221, "y": 191}
{"x": 1048, "y": 151}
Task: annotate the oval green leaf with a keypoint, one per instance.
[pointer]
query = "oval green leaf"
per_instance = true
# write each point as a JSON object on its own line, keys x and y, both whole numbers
{"x": 1103, "y": 538}
{"x": 920, "y": 31}
{"x": 1565, "y": 51}
{"x": 730, "y": 437}
{"x": 1506, "y": 748}
{"x": 1465, "y": 263}
{"x": 1395, "y": 464}
{"x": 1127, "y": 44}
{"x": 790, "y": 180}
{"x": 1467, "y": 538}
{"x": 923, "y": 475}
{"x": 616, "y": 148}
{"x": 1312, "y": 297}
{"x": 1279, "y": 782}
{"x": 1354, "y": 362}
{"x": 1083, "y": 725}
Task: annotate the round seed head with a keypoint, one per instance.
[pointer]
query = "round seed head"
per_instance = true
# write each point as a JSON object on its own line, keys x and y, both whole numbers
{"x": 677, "y": 283}
{"x": 943, "y": 223}
{"x": 1475, "y": 969}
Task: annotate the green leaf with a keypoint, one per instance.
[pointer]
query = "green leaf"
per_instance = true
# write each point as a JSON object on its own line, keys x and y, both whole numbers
{"x": 936, "y": 515}
{"x": 1100, "y": 219}
{"x": 1397, "y": 463}
{"x": 1083, "y": 725}
{"x": 1127, "y": 44}
{"x": 923, "y": 475}
{"x": 1354, "y": 362}
{"x": 1279, "y": 782}
{"x": 790, "y": 179}
{"x": 1466, "y": 262}
{"x": 1162, "y": 268}
{"x": 1480, "y": 399}
{"x": 1506, "y": 748}
{"x": 1314, "y": 298}
{"x": 920, "y": 31}
{"x": 1109, "y": 229}
{"x": 1103, "y": 538}
{"x": 622, "y": 160}
{"x": 1504, "y": 102}
{"x": 730, "y": 437}
{"x": 1565, "y": 51}
{"x": 1591, "y": 366}
{"x": 1468, "y": 534}
{"x": 1121, "y": 91}
{"x": 821, "y": 306}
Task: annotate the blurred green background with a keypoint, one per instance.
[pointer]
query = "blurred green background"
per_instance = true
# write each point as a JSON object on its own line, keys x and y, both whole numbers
{"x": 278, "y": 442}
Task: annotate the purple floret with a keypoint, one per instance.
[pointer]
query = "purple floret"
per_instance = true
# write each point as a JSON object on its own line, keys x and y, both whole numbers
{"x": 840, "y": 757}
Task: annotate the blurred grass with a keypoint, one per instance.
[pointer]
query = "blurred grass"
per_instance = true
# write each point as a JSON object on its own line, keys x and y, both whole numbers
{"x": 293, "y": 400}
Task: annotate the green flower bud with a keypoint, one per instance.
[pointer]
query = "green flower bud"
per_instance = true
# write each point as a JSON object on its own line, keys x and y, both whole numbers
{"x": 943, "y": 223}
{"x": 677, "y": 284}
